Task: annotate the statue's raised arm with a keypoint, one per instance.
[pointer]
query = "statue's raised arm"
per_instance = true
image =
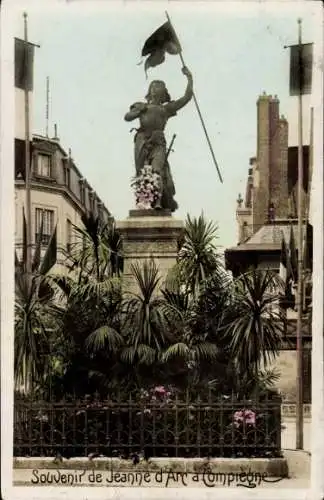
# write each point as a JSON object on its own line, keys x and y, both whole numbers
{"x": 174, "y": 106}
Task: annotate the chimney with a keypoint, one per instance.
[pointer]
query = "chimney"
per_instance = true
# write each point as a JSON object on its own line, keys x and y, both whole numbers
{"x": 261, "y": 193}
{"x": 272, "y": 160}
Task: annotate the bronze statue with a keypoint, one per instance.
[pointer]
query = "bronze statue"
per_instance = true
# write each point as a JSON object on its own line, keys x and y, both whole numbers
{"x": 150, "y": 143}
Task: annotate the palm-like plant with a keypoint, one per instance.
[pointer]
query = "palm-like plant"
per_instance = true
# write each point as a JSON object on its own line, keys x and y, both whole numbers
{"x": 91, "y": 330}
{"x": 211, "y": 304}
{"x": 112, "y": 239}
{"x": 190, "y": 348}
{"x": 91, "y": 295}
{"x": 35, "y": 313}
{"x": 98, "y": 250}
{"x": 254, "y": 322}
{"x": 145, "y": 325}
{"x": 197, "y": 258}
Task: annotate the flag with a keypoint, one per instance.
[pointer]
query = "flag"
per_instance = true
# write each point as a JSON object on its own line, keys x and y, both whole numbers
{"x": 24, "y": 69}
{"x": 24, "y": 64}
{"x": 301, "y": 69}
{"x": 24, "y": 77}
{"x": 287, "y": 300}
{"x": 20, "y": 158}
{"x": 308, "y": 248}
{"x": 161, "y": 41}
{"x": 293, "y": 256}
{"x": 283, "y": 261}
{"x": 49, "y": 259}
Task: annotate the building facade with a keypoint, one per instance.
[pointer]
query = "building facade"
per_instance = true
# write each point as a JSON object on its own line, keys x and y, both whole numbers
{"x": 271, "y": 188}
{"x": 265, "y": 216}
{"x": 60, "y": 195}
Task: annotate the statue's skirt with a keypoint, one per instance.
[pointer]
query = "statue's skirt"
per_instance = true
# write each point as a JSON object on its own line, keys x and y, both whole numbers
{"x": 150, "y": 149}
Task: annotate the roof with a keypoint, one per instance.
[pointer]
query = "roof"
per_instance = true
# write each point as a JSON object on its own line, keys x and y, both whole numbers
{"x": 55, "y": 142}
{"x": 272, "y": 233}
{"x": 256, "y": 247}
{"x": 268, "y": 237}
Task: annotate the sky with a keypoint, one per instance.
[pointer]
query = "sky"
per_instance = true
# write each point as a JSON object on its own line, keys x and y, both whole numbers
{"x": 235, "y": 51}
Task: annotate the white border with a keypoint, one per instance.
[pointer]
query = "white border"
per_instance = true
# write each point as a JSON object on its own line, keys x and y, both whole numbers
{"x": 7, "y": 222}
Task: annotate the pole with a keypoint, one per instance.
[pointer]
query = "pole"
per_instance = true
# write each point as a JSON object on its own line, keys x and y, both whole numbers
{"x": 299, "y": 339}
{"x": 199, "y": 114}
{"x": 307, "y": 195}
{"x": 27, "y": 157}
{"x": 47, "y": 104}
{"x": 310, "y": 167}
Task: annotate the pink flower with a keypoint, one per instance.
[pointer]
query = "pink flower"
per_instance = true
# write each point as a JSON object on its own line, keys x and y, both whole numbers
{"x": 250, "y": 417}
{"x": 238, "y": 416}
{"x": 247, "y": 416}
{"x": 160, "y": 389}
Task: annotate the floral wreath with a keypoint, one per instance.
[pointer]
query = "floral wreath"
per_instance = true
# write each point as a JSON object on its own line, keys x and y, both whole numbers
{"x": 146, "y": 187}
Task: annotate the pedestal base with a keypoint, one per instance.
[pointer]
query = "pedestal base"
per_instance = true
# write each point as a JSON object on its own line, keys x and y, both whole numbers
{"x": 149, "y": 236}
{"x": 151, "y": 212}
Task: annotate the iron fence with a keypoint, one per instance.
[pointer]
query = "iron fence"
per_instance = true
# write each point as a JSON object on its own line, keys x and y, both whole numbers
{"x": 176, "y": 426}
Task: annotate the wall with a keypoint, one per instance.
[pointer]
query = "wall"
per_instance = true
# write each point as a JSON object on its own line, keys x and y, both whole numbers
{"x": 286, "y": 363}
{"x": 62, "y": 208}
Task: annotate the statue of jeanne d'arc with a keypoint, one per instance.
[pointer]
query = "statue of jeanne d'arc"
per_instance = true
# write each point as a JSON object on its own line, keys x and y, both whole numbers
{"x": 150, "y": 143}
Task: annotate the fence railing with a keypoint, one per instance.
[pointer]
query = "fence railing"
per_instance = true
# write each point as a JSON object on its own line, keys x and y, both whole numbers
{"x": 288, "y": 410}
{"x": 169, "y": 426}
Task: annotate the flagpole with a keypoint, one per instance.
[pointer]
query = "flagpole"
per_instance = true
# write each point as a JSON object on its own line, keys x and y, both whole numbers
{"x": 307, "y": 202}
{"x": 47, "y": 105}
{"x": 299, "y": 339}
{"x": 27, "y": 155}
{"x": 199, "y": 113}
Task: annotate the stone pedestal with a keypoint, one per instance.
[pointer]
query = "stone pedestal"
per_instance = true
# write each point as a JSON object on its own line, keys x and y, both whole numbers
{"x": 149, "y": 234}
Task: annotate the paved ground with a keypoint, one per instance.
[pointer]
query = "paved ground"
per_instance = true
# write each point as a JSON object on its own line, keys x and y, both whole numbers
{"x": 288, "y": 437}
{"x": 298, "y": 464}
{"x": 23, "y": 478}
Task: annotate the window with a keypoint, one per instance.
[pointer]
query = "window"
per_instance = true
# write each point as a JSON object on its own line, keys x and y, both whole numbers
{"x": 91, "y": 200}
{"x": 67, "y": 176}
{"x": 82, "y": 191}
{"x": 47, "y": 216}
{"x": 100, "y": 210}
{"x": 68, "y": 235}
{"x": 44, "y": 164}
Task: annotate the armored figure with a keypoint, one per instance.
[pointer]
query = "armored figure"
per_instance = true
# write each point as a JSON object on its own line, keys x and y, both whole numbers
{"x": 150, "y": 144}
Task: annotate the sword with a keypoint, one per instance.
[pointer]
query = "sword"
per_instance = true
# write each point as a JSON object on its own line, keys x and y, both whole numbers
{"x": 170, "y": 147}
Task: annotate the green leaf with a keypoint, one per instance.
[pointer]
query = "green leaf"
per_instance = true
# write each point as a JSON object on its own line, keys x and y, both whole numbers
{"x": 38, "y": 249}
{"x": 180, "y": 349}
{"x": 102, "y": 337}
{"x": 18, "y": 264}
{"x": 146, "y": 354}
{"x": 24, "y": 255}
{"x": 50, "y": 256}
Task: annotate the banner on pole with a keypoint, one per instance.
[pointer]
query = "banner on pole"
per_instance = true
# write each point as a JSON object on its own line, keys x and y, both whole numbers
{"x": 161, "y": 41}
{"x": 301, "y": 69}
{"x": 20, "y": 157}
{"x": 24, "y": 64}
